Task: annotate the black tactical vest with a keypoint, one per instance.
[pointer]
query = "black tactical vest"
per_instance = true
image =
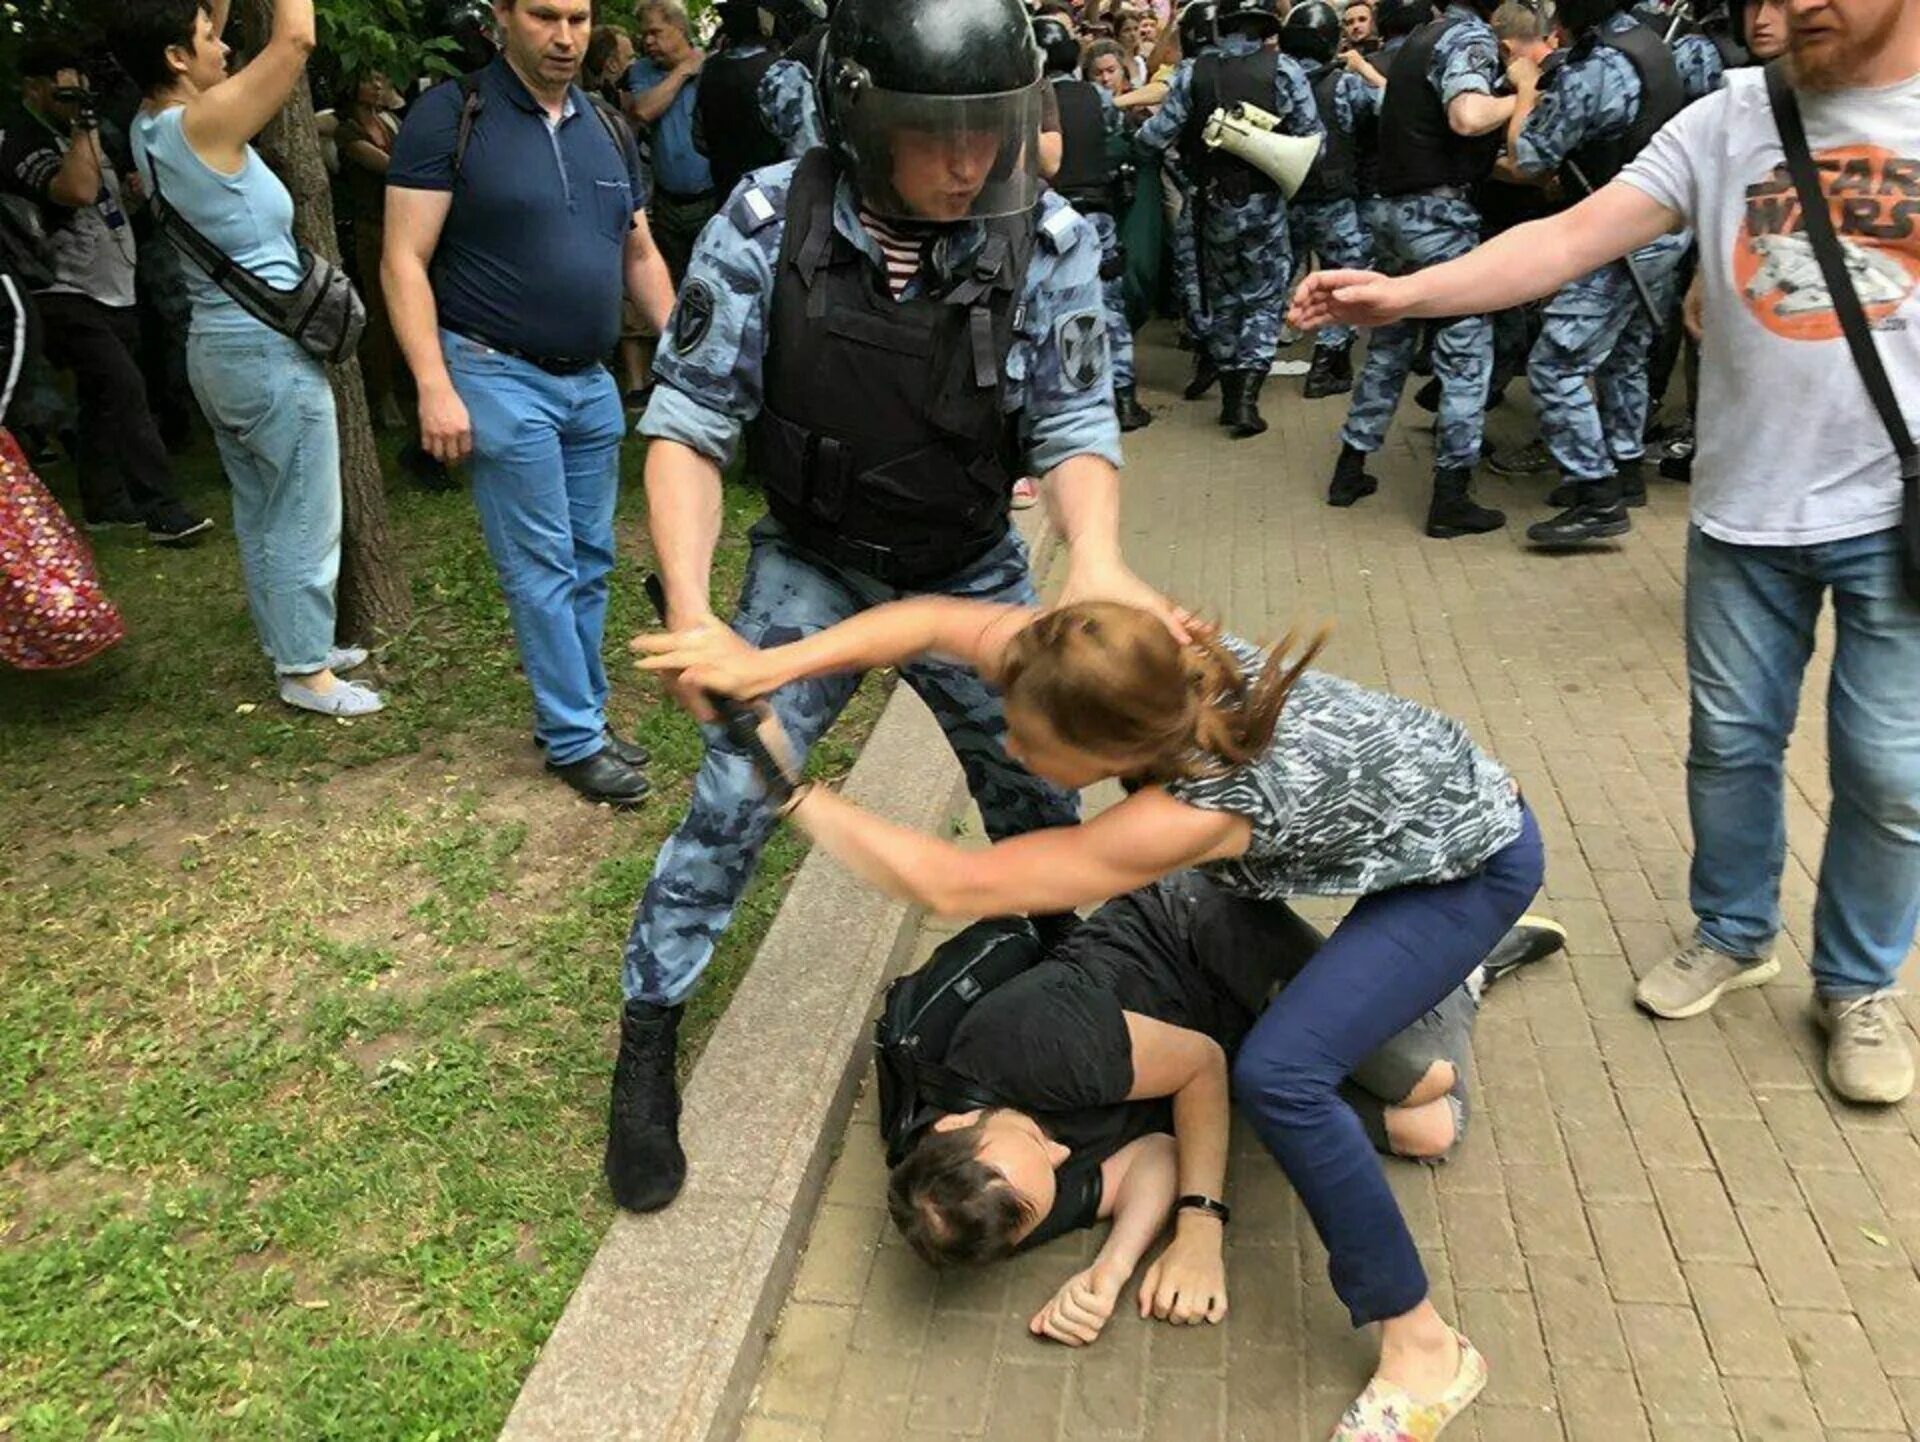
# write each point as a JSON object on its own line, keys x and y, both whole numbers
{"x": 1662, "y": 96}
{"x": 733, "y": 133}
{"x": 1335, "y": 175}
{"x": 1224, "y": 81}
{"x": 1366, "y": 129}
{"x": 1086, "y": 171}
{"x": 881, "y": 440}
{"x": 1418, "y": 148}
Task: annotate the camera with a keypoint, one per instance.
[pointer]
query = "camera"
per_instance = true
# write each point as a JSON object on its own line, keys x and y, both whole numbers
{"x": 85, "y": 116}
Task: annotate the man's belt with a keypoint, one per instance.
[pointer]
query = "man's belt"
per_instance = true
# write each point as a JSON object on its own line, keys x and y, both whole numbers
{"x": 553, "y": 365}
{"x": 901, "y": 567}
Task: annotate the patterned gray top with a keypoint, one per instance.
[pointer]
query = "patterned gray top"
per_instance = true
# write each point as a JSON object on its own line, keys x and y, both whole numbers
{"x": 1360, "y": 792}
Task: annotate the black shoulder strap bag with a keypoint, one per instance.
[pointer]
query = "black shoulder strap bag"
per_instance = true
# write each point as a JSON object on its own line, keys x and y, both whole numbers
{"x": 323, "y": 314}
{"x": 1817, "y": 221}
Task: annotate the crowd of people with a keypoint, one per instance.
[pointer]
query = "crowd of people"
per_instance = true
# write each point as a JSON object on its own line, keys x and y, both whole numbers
{"x": 898, "y": 266}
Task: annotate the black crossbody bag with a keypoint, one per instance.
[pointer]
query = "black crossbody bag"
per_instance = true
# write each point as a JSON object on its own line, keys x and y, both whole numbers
{"x": 1817, "y": 221}
{"x": 323, "y": 314}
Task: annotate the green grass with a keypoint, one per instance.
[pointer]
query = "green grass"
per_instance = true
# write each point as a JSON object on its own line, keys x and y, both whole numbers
{"x": 305, "y": 1025}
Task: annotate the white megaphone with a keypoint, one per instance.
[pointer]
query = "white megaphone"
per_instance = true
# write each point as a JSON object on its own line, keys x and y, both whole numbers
{"x": 1248, "y": 132}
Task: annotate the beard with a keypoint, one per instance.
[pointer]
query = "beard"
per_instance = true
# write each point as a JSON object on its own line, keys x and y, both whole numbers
{"x": 1830, "y": 59}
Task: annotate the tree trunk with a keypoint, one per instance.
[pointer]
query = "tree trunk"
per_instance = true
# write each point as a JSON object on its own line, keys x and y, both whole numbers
{"x": 374, "y": 601}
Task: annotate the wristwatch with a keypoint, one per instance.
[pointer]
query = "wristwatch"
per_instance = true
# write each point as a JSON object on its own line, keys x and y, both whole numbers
{"x": 1213, "y": 1207}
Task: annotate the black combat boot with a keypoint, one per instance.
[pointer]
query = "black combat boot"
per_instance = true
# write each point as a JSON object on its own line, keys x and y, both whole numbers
{"x": 1231, "y": 385}
{"x": 1350, "y": 479}
{"x": 1332, "y": 372}
{"x": 1205, "y": 373}
{"x": 1246, "y": 420}
{"x": 1454, "y": 513}
{"x": 1126, "y": 405}
{"x": 1596, "y": 515}
{"x": 1633, "y": 484}
{"x": 645, "y": 1166}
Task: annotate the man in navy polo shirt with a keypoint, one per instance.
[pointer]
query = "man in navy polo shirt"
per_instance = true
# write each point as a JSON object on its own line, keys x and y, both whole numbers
{"x": 514, "y": 220}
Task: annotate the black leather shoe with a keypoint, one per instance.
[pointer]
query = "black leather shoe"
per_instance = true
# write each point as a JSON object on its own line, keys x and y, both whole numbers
{"x": 631, "y": 752}
{"x": 1331, "y": 374}
{"x": 604, "y": 778}
{"x": 1454, "y": 512}
{"x": 1350, "y": 479}
{"x": 1633, "y": 484}
{"x": 1127, "y": 408}
{"x": 1582, "y": 523}
{"x": 645, "y": 1167}
{"x": 1247, "y": 420}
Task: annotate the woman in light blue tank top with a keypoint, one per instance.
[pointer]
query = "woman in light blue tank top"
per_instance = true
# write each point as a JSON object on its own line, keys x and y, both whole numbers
{"x": 267, "y": 399}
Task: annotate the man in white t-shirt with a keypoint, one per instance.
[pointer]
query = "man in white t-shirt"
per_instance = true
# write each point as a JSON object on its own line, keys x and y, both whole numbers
{"x": 1796, "y": 496}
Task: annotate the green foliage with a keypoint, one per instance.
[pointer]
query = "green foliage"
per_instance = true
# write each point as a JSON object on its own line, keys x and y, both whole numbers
{"x": 389, "y": 35}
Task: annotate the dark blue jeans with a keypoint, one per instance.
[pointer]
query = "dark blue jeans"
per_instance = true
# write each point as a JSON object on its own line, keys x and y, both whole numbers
{"x": 1389, "y": 962}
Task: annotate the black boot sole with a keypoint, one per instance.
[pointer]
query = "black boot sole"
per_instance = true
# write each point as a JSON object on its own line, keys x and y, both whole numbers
{"x": 1605, "y": 531}
{"x": 1246, "y": 430}
{"x": 1324, "y": 389}
{"x": 1344, "y": 495}
{"x": 1443, "y": 531}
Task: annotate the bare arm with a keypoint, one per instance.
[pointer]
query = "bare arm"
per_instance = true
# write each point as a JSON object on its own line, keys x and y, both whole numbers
{"x": 647, "y": 279}
{"x": 1476, "y": 114}
{"x": 1142, "y": 97}
{"x": 652, "y": 103}
{"x": 1188, "y": 1282}
{"x": 1526, "y": 98}
{"x": 219, "y": 122}
{"x": 368, "y": 156}
{"x": 1137, "y": 1190}
{"x": 1053, "y": 149}
{"x": 1145, "y": 837}
{"x": 77, "y": 181}
{"x": 414, "y": 221}
{"x": 683, "y": 511}
{"x": 1365, "y": 69}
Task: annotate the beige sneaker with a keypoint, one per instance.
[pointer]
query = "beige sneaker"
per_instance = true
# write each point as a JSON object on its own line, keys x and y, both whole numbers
{"x": 1867, "y": 1057}
{"x": 1698, "y": 977}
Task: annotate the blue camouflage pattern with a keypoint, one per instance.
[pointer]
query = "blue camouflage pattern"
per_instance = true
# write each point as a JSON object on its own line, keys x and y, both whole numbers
{"x": 1186, "y": 259}
{"x": 705, "y": 866}
{"x": 1698, "y": 60}
{"x": 704, "y": 397}
{"x": 1113, "y": 291}
{"x": 1416, "y": 231}
{"x": 1596, "y": 329}
{"x": 1245, "y": 257}
{"x": 791, "y": 108}
{"x": 1330, "y": 230}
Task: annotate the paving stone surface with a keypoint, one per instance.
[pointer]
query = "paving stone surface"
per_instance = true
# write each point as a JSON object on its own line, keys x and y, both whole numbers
{"x": 1653, "y": 1230}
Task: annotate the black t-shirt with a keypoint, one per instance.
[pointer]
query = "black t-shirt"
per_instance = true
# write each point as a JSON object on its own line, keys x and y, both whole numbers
{"x": 1053, "y": 1041}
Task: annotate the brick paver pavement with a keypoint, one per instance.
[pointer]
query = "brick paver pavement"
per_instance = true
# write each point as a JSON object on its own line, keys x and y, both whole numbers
{"x": 1666, "y": 1231}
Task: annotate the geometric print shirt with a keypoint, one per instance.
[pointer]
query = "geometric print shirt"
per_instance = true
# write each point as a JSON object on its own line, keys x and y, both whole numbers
{"x": 1360, "y": 792}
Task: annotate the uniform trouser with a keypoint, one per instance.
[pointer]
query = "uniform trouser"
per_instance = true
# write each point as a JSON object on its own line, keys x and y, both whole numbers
{"x": 1113, "y": 296}
{"x": 120, "y": 450}
{"x": 1186, "y": 270}
{"x": 272, "y": 412}
{"x": 1674, "y": 340}
{"x": 546, "y": 476}
{"x": 1514, "y": 332}
{"x": 705, "y": 865}
{"x": 1417, "y": 231}
{"x": 1596, "y": 330}
{"x": 1751, "y": 616}
{"x": 1247, "y": 262}
{"x": 1330, "y": 231}
{"x": 1397, "y": 954}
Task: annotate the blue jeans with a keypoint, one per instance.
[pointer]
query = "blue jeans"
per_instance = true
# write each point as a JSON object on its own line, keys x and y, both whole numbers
{"x": 1392, "y": 960}
{"x": 1750, "y": 624}
{"x": 271, "y": 409}
{"x": 546, "y": 475}
{"x": 706, "y": 863}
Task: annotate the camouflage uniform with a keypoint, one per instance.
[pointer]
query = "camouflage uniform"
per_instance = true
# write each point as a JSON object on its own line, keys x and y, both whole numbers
{"x": 1113, "y": 291}
{"x": 1597, "y": 326}
{"x": 1186, "y": 258}
{"x": 1697, "y": 59}
{"x": 1245, "y": 255}
{"x": 790, "y": 107}
{"x": 1426, "y": 229}
{"x": 705, "y": 396}
{"x": 1331, "y": 230}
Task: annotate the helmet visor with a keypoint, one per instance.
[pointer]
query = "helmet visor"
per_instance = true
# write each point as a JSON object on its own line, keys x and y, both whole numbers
{"x": 943, "y": 157}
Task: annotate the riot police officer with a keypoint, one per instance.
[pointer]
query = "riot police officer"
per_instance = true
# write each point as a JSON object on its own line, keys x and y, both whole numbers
{"x": 1198, "y": 36}
{"x": 1440, "y": 130}
{"x": 1394, "y": 21}
{"x": 1093, "y": 145}
{"x": 1324, "y": 216}
{"x": 755, "y": 106}
{"x": 1245, "y": 256}
{"x": 902, "y": 324}
{"x": 1588, "y": 371}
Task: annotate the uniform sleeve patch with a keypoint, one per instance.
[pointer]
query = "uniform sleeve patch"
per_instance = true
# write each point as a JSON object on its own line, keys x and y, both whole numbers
{"x": 692, "y": 316}
{"x": 1058, "y": 228}
{"x": 1082, "y": 339}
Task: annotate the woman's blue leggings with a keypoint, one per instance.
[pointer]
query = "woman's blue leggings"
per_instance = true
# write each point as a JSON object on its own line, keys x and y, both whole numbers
{"x": 1392, "y": 959}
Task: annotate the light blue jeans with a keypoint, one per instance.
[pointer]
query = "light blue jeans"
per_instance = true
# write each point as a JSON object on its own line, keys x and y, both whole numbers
{"x": 271, "y": 409}
{"x": 1750, "y": 629}
{"x": 546, "y": 475}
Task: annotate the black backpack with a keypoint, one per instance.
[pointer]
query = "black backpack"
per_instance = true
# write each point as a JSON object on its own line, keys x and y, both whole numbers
{"x": 921, "y": 1012}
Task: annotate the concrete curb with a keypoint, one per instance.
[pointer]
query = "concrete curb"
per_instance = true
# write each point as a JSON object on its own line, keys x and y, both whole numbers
{"x": 663, "y": 1339}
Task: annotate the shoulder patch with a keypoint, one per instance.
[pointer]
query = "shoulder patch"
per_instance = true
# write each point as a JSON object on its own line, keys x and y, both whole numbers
{"x": 692, "y": 316}
{"x": 751, "y": 211}
{"x": 1058, "y": 228}
{"x": 1082, "y": 338}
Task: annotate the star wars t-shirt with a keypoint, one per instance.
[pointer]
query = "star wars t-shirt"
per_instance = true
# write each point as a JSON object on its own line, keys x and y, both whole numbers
{"x": 1791, "y": 450}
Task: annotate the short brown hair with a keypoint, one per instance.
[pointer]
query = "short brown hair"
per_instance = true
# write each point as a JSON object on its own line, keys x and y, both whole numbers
{"x": 951, "y": 1207}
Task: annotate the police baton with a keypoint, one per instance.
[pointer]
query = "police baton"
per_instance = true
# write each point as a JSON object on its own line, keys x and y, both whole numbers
{"x": 1633, "y": 271}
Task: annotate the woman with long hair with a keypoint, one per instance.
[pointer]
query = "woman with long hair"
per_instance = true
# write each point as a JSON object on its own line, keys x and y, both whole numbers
{"x": 1277, "y": 780}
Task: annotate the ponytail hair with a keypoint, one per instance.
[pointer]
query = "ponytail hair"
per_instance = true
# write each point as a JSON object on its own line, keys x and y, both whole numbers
{"x": 1110, "y": 679}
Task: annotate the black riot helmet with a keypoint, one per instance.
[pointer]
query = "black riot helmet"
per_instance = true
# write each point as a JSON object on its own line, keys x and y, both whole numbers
{"x": 1580, "y": 17}
{"x": 1057, "y": 43}
{"x": 1395, "y": 18}
{"x": 1199, "y": 26}
{"x": 1311, "y": 32}
{"x": 933, "y": 109}
{"x": 779, "y": 21}
{"x": 1247, "y": 17}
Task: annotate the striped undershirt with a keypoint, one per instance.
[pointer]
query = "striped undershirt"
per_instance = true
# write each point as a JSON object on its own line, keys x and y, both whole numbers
{"x": 903, "y": 246}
